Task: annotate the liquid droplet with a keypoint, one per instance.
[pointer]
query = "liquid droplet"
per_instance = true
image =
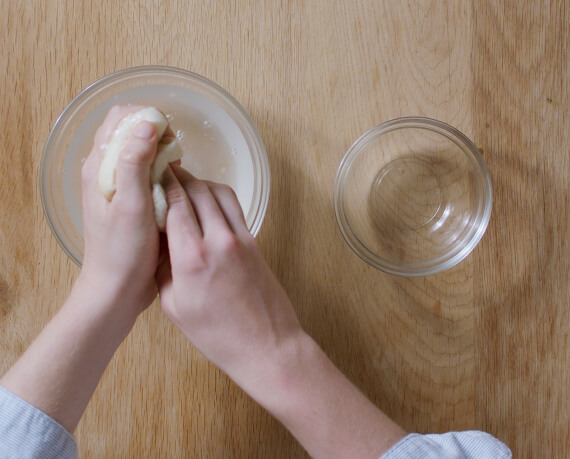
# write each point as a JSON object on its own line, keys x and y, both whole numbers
{"x": 206, "y": 124}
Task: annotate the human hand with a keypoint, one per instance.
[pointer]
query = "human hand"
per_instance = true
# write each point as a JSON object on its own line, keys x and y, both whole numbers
{"x": 121, "y": 237}
{"x": 61, "y": 369}
{"x": 215, "y": 285}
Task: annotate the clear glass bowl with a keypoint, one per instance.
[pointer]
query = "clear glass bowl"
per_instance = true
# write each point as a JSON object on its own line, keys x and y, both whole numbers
{"x": 219, "y": 139}
{"x": 412, "y": 196}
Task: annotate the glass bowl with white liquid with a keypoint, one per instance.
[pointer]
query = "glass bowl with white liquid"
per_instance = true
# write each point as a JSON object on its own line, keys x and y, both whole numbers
{"x": 218, "y": 137}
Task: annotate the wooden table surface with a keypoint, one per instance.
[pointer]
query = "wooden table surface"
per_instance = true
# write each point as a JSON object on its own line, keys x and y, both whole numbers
{"x": 482, "y": 346}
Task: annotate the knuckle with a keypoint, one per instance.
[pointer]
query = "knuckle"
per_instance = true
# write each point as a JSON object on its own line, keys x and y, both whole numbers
{"x": 135, "y": 153}
{"x": 115, "y": 110}
{"x": 175, "y": 196}
{"x": 197, "y": 187}
{"x": 197, "y": 257}
{"x": 229, "y": 196}
{"x": 220, "y": 189}
{"x": 226, "y": 190}
{"x": 249, "y": 241}
{"x": 130, "y": 209}
{"x": 229, "y": 243}
{"x": 101, "y": 135}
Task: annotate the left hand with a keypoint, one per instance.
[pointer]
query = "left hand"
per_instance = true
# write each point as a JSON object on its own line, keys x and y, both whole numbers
{"x": 121, "y": 238}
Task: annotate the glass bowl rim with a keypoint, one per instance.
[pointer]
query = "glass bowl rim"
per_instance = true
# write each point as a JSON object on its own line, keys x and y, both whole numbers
{"x": 428, "y": 267}
{"x": 244, "y": 121}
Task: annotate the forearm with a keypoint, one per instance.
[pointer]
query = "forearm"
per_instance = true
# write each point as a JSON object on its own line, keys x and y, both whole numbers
{"x": 327, "y": 414}
{"x": 60, "y": 370}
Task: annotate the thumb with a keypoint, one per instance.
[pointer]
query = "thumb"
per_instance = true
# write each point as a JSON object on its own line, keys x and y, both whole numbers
{"x": 133, "y": 165}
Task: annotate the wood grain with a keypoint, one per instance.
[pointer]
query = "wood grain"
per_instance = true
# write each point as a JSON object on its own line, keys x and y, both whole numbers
{"x": 482, "y": 346}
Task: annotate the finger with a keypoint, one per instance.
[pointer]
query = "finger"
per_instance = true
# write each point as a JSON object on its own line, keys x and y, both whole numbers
{"x": 92, "y": 164}
{"x": 182, "y": 228}
{"x": 208, "y": 212}
{"x": 133, "y": 165}
{"x": 89, "y": 174}
{"x": 180, "y": 211}
{"x": 111, "y": 122}
{"x": 230, "y": 207}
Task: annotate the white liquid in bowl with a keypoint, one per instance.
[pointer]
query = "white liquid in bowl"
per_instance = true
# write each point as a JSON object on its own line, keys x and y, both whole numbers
{"x": 213, "y": 144}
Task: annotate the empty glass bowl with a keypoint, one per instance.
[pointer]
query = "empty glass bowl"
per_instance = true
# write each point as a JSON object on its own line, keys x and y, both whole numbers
{"x": 412, "y": 196}
{"x": 219, "y": 140}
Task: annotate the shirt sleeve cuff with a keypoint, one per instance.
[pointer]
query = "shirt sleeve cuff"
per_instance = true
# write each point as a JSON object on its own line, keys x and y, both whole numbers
{"x": 469, "y": 444}
{"x": 27, "y": 432}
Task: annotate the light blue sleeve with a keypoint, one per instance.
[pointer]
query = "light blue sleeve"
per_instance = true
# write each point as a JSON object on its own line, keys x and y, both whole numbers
{"x": 471, "y": 444}
{"x": 26, "y": 432}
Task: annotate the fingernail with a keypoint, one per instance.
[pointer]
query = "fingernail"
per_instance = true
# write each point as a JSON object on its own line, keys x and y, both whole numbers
{"x": 144, "y": 130}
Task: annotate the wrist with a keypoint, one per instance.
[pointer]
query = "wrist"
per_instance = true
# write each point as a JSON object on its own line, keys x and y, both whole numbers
{"x": 325, "y": 412}
{"x": 282, "y": 375}
{"x": 103, "y": 304}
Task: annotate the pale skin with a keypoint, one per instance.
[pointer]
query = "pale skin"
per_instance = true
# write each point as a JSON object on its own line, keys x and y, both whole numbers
{"x": 214, "y": 285}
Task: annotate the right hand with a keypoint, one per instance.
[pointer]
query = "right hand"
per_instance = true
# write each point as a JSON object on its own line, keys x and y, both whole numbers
{"x": 214, "y": 283}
